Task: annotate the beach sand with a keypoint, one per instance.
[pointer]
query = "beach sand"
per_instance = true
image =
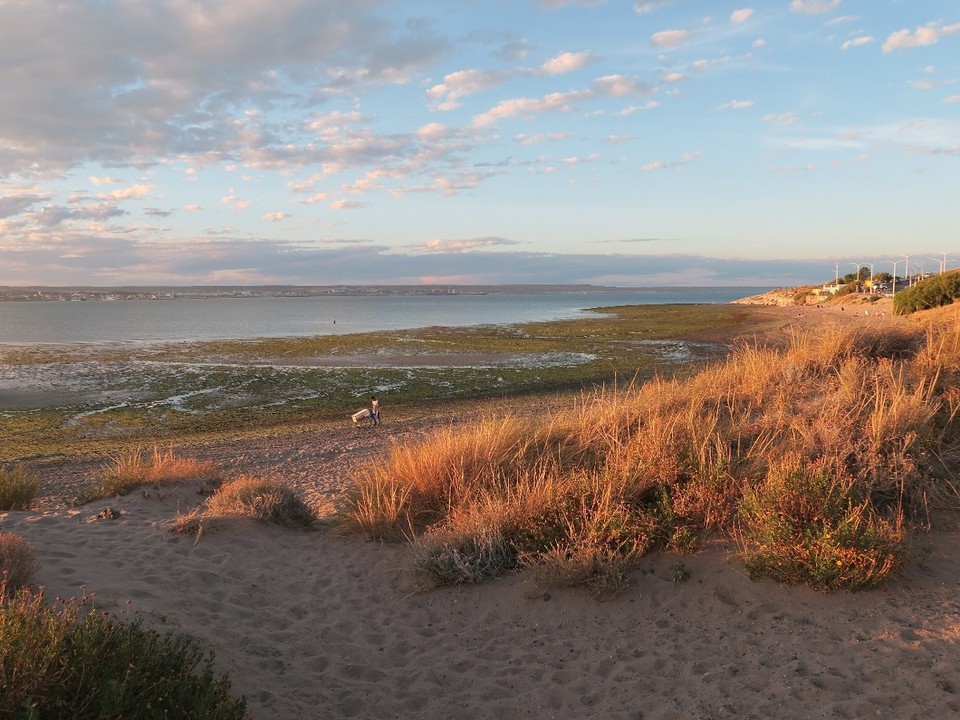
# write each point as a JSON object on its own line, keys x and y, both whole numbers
{"x": 309, "y": 625}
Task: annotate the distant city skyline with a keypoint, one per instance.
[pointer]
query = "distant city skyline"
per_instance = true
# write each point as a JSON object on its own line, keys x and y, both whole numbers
{"x": 633, "y": 144}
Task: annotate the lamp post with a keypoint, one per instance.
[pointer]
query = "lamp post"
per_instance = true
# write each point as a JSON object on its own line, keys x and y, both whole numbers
{"x": 871, "y": 276}
{"x": 894, "y": 263}
{"x": 857, "y": 275}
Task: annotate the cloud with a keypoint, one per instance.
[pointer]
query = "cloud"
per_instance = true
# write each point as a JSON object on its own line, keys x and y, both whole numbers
{"x": 275, "y": 216}
{"x": 234, "y": 202}
{"x": 95, "y": 259}
{"x": 603, "y": 87}
{"x": 461, "y": 246}
{"x": 11, "y": 205}
{"x": 857, "y": 42}
{"x": 177, "y": 79}
{"x": 952, "y": 99}
{"x": 135, "y": 191}
{"x": 348, "y": 205}
{"x": 680, "y": 164}
{"x": 644, "y": 7}
{"x": 813, "y": 7}
{"x": 538, "y": 138}
{"x": 446, "y": 96}
{"x": 579, "y": 160}
{"x": 741, "y": 16}
{"x": 781, "y": 119}
{"x": 736, "y": 105}
{"x": 920, "y": 37}
{"x": 670, "y": 39}
{"x": 673, "y": 77}
{"x": 565, "y": 63}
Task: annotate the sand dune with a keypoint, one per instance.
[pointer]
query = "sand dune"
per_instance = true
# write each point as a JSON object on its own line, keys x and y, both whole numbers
{"x": 311, "y": 626}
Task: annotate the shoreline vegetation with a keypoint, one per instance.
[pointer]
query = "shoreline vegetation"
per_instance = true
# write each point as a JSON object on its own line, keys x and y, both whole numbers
{"x": 805, "y": 448}
{"x": 92, "y": 399}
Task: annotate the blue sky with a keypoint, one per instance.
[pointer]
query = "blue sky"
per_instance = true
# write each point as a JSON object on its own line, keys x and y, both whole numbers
{"x": 627, "y": 143}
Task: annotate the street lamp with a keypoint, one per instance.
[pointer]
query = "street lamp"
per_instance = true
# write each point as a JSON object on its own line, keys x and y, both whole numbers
{"x": 871, "y": 277}
{"x": 857, "y": 275}
{"x": 894, "y": 263}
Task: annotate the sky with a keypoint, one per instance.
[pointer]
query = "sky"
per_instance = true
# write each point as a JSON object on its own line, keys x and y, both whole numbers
{"x": 646, "y": 143}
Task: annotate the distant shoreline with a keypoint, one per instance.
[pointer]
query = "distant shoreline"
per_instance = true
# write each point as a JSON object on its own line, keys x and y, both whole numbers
{"x": 199, "y": 292}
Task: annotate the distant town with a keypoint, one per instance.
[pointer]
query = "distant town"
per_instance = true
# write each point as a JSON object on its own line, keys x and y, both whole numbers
{"x": 79, "y": 294}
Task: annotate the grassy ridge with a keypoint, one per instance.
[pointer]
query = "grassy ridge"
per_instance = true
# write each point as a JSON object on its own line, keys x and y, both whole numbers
{"x": 816, "y": 458}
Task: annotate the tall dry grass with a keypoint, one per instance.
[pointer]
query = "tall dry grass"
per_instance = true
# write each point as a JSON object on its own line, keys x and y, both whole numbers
{"x": 861, "y": 422}
{"x": 133, "y": 468}
{"x": 18, "y": 488}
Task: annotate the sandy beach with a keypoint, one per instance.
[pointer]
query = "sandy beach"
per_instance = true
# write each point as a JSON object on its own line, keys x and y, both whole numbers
{"x": 310, "y": 625}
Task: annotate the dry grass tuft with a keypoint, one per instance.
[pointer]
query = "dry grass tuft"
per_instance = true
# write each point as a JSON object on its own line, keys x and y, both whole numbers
{"x": 261, "y": 499}
{"x": 18, "y": 488}
{"x": 816, "y": 456}
{"x": 17, "y": 563}
{"x": 130, "y": 469}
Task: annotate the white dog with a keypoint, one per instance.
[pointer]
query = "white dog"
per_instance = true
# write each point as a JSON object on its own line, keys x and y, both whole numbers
{"x": 362, "y": 415}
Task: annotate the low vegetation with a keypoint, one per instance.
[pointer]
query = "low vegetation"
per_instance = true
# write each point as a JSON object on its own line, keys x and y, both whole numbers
{"x": 261, "y": 499}
{"x": 130, "y": 469}
{"x": 18, "y": 488}
{"x": 68, "y": 660}
{"x": 817, "y": 458}
{"x": 17, "y": 562}
{"x": 933, "y": 292}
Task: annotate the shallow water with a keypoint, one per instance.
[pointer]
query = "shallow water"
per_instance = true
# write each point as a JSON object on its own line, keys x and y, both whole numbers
{"x": 148, "y": 321}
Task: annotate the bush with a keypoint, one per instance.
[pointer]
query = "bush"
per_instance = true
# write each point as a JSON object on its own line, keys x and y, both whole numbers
{"x": 69, "y": 661}
{"x": 930, "y": 293}
{"x": 17, "y": 562}
{"x": 262, "y": 499}
{"x": 805, "y": 525}
{"x": 18, "y": 488}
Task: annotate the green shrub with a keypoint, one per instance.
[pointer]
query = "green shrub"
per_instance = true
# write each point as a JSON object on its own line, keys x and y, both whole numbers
{"x": 806, "y": 526}
{"x": 930, "y": 293}
{"x": 18, "y": 488}
{"x": 68, "y": 661}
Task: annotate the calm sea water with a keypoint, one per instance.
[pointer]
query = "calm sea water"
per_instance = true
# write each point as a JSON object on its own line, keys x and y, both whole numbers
{"x": 148, "y": 321}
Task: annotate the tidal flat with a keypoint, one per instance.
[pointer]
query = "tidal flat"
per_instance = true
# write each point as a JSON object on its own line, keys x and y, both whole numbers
{"x": 62, "y": 400}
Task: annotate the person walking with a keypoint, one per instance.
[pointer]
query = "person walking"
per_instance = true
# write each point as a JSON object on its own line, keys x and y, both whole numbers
{"x": 375, "y": 409}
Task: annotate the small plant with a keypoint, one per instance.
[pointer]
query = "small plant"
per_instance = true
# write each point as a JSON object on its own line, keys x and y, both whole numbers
{"x": 69, "y": 660}
{"x": 18, "y": 488}
{"x": 262, "y": 499}
{"x": 17, "y": 562}
{"x": 455, "y": 561}
{"x": 681, "y": 573}
{"x": 683, "y": 540}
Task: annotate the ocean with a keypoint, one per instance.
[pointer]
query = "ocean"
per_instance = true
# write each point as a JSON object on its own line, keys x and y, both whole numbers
{"x": 194, "y": 319}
